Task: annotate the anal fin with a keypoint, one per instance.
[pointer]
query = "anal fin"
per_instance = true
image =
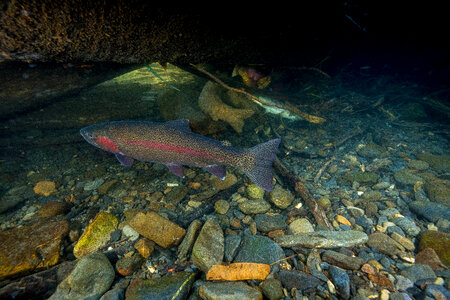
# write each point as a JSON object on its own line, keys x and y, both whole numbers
{"x": 217, "y": 170}
{"x": 176, "y": 169}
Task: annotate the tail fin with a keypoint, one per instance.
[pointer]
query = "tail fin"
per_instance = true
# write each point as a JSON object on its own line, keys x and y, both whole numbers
{"x": 264, "y": 155}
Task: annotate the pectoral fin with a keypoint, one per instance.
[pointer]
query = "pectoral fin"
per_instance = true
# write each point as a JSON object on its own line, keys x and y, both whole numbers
{"x": 176, "y": 169}
{"x": 124, "y": 160}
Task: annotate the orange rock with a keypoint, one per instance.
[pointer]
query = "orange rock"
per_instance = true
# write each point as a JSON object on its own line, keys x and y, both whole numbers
{"x": 45, "y": 188}
{"x": 380, "y": 280}
{"x": 195, "y": 185}
{"x": 343, "y": 220}
{"x": 30, "y": 248}
{"x": 145, "y": 247}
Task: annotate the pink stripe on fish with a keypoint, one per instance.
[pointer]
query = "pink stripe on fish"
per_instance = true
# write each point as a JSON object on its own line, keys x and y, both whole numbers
{"x": 173, "y": 148}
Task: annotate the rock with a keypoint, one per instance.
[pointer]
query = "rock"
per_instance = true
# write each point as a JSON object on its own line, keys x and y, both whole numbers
{"x": 208, "y": 249}
{"x": 272, "y": 289}
{"x": 407, "y": 225}
{"x": 418, "y": 164}
{"x": 437, "y": 292}
{"x": 232, "y": 242}
{"x": 220, "y": 185}
{"x": 323, "y": 239}
{"x": 429, "y": 257}
{"x": 438, "y": 191}
{"x": 15, "y": 196}
{"x": 96, "y": 234}
{"x": 114, "y": 294}
{"x": 439, "y": 163}
{"x": 372, "y": 196}
{"x": 90, "y": 279}
{"x": 343, "y": 220}
{"x": 176, "y": 194}
{"x": 221, "y": 206}
{"x": 175, "y": 286}
{"x": 280, "y": 197}
{"x": 228, "y": 291}
{"x": 45, "y": 188}
{"x": 254, "y": 206}
{"x": 51, "y": 209}
{"x": 406, "y": 177}
{"x": 313, "y": 264}
{"x": 417, "y": 272}
{"x": 372, "y": 151}
{"x": 259, "y": 249}
{"x": 254, "y": 192}
{"x": 299, "y": 280}
{"x": 402, "y": 283}
{"x": 404, "y": 241}
{"x": 130, "y": 233}
{"x": 324, "y": 203}
{"x": 342, "y": 260}
{"x": 439, "y": 242}
{"x": 31, "y": 248}
{"x": 93, "y": 184}
{"x": 430, "y": 210}
{"x": 355, "y": 212}
{"x": 129, "y": 264}
{"x": 381, "y": 185}
{"x": 210, "y": 102}
{"x": 301, "y": 225}
{"x": 106, "y": 186}
{"x": 158, "y": 229}
{"x": 341, "y": 281}
{"x": 358, "y": 176}
{"x": 145, "y": 247}
{"x": 383, "y": 243}
{"x": 266, "y": 223}
{"x": 188, "y": 241}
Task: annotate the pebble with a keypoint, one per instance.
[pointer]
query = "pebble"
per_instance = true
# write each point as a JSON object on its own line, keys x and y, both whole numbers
{"x": 129, "y": 264}
{"x": 280, "y": 197}
{"x": 355, "y": 212}
{"x": 342, "y": 260}
{"x": 45, "y": 188}
{"x": 438, "y": 191}
{"x": 51, "y": 209}
{"x": 221, "y": 206}
{"x": 266, "y": 223}
{"x": 96, "y": 234}
{"x": 383, "y": 243}
{"x": 372, "y": 196}
{"x": 437, "y": 292}
{"x": 341, "y": 281}
{"x": 404, "y": 241}
{"x": 407, "y": 225}
{"x": 324, "y": 203}
{"x": 106, "y": 186}
{"x": 209, "y": 246}
{"x": 254, "y": 192}
{"x": 145, "y": 247}
{"x": 158, "y": 229}
{"x": 323, "y": 239}
{"x": 232, "y": 242}
{"x": 301, "y": 225}
{"x": 220, "y": 185}
{"x": 406, "y": 177}
{"x": 130, "y": 233}
{"x": 418, "y": 164}
{"x": 402, "y": 283}
{"x": 254, "y": 206}
{"x": 90, "y": 279}
{"x": 417, "y": 272}
{"x": 94, "y": 184}
{"x": 431, "y": 211}
{"x": 381, "y": 185}
{"x": 429, "y": 257}
{"x": 298, "y": 280}
{"x": 238, "y": 290}
{"x": 259, "y": 249}
{"x": 439, "y": 163}
{"x": 188, "y": 241}
{"x": 272, "y": 289}
{"x": 173, "y": 286}
{"x": 343, "y": 220}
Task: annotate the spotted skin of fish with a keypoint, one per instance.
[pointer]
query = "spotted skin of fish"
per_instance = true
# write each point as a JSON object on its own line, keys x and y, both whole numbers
{"x": 175, "y": 145}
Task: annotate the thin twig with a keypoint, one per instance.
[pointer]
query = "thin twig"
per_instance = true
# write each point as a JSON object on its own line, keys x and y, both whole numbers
{"x": 325, "y": 165}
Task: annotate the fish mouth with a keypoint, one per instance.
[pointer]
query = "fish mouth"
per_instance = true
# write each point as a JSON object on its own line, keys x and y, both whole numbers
{"x": 88, "y": 136}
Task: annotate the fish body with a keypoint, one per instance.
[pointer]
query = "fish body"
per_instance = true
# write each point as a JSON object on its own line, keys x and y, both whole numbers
{"x": 175, "y": 145}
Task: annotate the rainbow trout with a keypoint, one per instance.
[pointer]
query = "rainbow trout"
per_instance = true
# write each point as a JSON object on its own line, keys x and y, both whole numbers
{"x": 175, "y": 145}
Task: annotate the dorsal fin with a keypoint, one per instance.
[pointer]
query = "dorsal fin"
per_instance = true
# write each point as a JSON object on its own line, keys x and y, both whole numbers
{"x": 182, "y": 125}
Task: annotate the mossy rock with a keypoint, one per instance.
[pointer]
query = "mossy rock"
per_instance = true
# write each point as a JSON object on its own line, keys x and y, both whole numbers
{"x": 439, "y": 163}
{"x": 254, "y": 192}
{"x": 438, "y": 191}
{"x": 359, "y": 176}
{"x": 439, "y": 241}
{"x": 373, "y": 151}
{"x": 406, "y": 177}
